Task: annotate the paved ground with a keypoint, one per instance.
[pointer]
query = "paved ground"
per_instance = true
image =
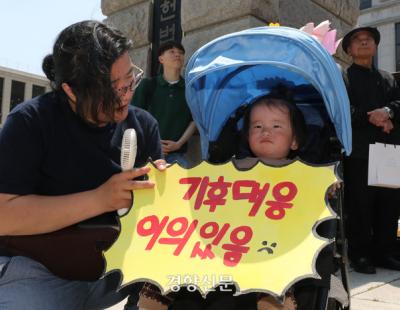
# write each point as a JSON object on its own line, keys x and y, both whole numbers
{"x": 368, "y": 292}
{"x": 376, "y": 292}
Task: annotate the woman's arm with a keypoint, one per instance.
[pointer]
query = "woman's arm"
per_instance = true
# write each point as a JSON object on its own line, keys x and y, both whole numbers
{"x": 34, "y": 214}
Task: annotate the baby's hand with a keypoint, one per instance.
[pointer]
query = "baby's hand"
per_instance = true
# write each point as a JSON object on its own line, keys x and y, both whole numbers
{"x": 333, "y": 189}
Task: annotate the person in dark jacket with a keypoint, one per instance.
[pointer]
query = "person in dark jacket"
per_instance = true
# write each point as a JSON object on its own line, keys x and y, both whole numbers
{"x": 372, "y": 212}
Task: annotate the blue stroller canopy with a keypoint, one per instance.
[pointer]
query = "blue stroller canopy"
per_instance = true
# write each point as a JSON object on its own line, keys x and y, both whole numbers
{"x": 234, "y": 69}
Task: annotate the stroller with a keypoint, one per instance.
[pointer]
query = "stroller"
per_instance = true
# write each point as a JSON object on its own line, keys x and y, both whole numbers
{"x": 227, "y": 74}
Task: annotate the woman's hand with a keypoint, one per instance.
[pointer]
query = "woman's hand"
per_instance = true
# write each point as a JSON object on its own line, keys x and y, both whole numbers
{"x": 161, "y": 164}
{"x": 116, "y": 192}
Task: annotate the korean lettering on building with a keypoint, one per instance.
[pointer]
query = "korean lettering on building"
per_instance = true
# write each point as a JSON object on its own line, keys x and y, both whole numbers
{"x": 166, "y": 27}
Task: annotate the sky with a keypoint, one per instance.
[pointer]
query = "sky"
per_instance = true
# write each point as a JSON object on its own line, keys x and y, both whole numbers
{"x": 28, "y": 28}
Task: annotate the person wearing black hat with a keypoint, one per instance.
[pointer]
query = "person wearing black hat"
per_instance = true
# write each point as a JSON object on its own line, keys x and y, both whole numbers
{"x": 372, "y": 212}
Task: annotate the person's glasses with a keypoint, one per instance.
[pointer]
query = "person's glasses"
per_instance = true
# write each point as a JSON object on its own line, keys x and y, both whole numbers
{"x": 137, "y": 77}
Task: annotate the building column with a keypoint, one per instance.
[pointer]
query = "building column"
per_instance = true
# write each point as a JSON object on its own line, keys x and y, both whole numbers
{"x": 6, "y": 99}
{"x": 134, "y": 18}
{"x": 28, "y": 91}
{"x": 387, "y": 47}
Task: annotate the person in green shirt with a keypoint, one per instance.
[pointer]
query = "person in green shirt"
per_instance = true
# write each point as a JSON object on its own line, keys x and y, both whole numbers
{"x": 164, "y": 97}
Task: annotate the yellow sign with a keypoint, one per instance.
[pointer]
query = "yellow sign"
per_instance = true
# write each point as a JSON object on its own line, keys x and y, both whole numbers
{"x": 214, "y": 223}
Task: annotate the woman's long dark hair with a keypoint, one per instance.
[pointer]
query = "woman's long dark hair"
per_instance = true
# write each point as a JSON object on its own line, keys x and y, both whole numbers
{"x": 82, "y": 57}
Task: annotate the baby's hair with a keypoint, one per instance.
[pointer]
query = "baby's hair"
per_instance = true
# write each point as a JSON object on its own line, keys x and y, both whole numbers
{"x": 280, "y": 97}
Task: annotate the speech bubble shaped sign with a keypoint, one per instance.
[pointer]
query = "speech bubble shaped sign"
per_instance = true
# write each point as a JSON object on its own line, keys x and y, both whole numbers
{"x": 215, "y": 223}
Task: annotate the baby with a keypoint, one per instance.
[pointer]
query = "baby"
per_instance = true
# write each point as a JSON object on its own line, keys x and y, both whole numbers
{"x": 274, "y": 130}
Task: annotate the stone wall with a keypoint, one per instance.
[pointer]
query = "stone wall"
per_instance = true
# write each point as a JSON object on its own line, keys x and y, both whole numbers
{"x": 134, "y": 19}
{"x": 204, "y": 20}
{"x": 343, "y": 14}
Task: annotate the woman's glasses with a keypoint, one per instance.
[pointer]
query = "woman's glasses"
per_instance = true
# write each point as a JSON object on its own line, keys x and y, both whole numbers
{"x": 137, "y": 77}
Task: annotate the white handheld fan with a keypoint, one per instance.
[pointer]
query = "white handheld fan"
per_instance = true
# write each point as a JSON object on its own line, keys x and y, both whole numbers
{"x": 128, "y": 155}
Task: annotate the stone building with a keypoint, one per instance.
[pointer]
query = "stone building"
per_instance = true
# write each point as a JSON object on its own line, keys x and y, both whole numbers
{"x": 204, "y": 20}
{"x": 148, "y": 23}
{"x": 385, "y": 15}
{"x": 17, "y": 86}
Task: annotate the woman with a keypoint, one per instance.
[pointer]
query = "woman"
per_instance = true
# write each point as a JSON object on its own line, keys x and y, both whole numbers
{"x": 60, "y": 166}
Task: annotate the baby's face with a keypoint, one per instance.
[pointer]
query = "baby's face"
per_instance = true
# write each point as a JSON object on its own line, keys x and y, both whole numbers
{"x": 270, "y": 132}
